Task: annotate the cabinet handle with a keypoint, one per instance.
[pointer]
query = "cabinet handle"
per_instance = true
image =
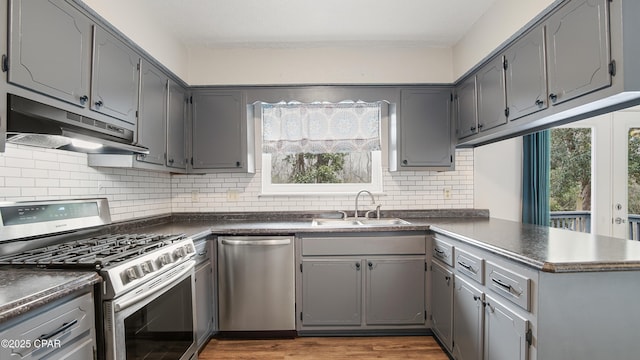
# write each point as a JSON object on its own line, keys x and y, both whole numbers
{"x": 64, "y": 327}
{"x": 476, "y": 297}
{"x": 506, "y": 286}
{"x": 553, "y": 97}
{"x": 357, "y": 266}
{"x": 237, "y": 163}
{"x": 170, "y": 161}
{"x": 468, "y": 267}
{"x": 83, "y": 99}
{"x": 99, "y": 103}
{"x": 370, "y": 265}
{"x": 480, "y": 126}
{"x": 404, "y": 162}
{"x": 539, "y": 102}
{"x": 473, "y": 128}
{"x": 447, "y": 279}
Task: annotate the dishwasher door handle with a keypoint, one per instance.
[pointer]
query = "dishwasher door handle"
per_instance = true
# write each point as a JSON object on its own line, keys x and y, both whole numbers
{"x": 273, "y": 242}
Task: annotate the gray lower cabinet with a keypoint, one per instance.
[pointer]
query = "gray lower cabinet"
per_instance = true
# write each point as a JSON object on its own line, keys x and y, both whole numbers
{"x": 492, "y": 107}
{"x": 152, "y": 131}
{"x": 466, "y": 108}
{"x": 526, "y": 75}
{"x": 356, "y": 282}
{"x": 74, "y": 313}
{"x": 115, "y": 77}
{"x": 578, "y": 49}
{"x": 176, "y": 126}
{"x": 204, "y": 292}
{"x": 426, "y": 139}
{"x": 332, "y": 292}
{"x": 49, "y": 49}
{"x": 505, "y": 332}
{"x": 468, "y": 315}
{"x": 442, "y": 303}
{"x": 219, "y": 130}
{"x": 395, "y": 291}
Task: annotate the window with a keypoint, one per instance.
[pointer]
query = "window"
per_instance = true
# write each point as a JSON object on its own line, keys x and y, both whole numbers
{"x": 321, "y": 147}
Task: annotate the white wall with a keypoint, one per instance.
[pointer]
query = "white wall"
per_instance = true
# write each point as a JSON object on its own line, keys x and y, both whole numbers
{"x": 503, "y": 19}
{"x": 130, "y": 19}
{"x": 28, "y": 173}
{"x": 498, "y": 179}
{"x": 320, "y": 65}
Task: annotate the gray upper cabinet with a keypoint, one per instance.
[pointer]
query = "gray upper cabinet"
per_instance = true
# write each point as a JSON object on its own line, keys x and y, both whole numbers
{"x": 526, "y": 75}
{"x": 50, "y": 49}
{"x": 115, "y": 80}
{"x": 332, "y": 292}
{"x": 390, "y": 301}
{"x": 578, "y": 49}
{"x": 466, "y": 108}
{"x": 176, "y": 126}
{"x": 442, "y": 303}
{"x": 426, "y": 138}
{"x": 492, "y": 107}
{"x": 153, "y": 114}
{"x": 219, "y": 130}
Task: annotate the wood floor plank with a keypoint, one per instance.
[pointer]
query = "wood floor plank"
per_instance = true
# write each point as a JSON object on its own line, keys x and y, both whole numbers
{"x": 305, "y": 348}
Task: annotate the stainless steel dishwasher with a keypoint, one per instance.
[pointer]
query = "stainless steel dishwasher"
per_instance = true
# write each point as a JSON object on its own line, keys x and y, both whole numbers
{"x": 256, "y": 286}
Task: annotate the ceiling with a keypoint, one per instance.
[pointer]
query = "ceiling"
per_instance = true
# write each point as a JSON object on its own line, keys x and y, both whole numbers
{"x": 304, "y": 23}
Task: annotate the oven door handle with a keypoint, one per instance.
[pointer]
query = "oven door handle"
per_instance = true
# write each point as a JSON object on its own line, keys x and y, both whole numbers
{"x": 119, "y": 306}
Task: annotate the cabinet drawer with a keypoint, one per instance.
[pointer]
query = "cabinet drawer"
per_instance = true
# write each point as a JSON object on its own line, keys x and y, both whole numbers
{"x": 364, "y": 245}
{"x": 64, "y": 323}
{"x": 510, "y": 285}
{"x": 470, "y": 265}
{"x": 442, "y": 251}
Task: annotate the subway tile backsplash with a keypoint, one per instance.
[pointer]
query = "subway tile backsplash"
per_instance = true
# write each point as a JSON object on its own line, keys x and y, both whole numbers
{"x": 28, "y": 173}
{"x": 402, "y": 190}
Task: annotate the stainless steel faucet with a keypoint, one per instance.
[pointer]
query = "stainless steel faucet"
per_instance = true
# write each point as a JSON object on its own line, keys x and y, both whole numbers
{"x": 373, "y": 200}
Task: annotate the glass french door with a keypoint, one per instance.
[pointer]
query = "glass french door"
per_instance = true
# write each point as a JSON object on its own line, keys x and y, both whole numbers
{"x": 625, "y": 174}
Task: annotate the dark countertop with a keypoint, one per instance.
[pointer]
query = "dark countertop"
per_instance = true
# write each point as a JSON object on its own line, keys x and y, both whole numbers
{"x": 23, "y": 290}
{"x": 544, "y": 248}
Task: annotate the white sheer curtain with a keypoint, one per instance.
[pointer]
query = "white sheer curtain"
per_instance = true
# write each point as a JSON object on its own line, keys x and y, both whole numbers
{"x": 320, "y": 127}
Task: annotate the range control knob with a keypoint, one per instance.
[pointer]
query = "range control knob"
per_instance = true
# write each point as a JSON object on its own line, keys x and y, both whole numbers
{"x": 179, "y": 252}
{"x": 146, "y": 267}
{"x": 164, "y": 259}
{"x": 130, "y": 274}
{"x": 190, "y": 249}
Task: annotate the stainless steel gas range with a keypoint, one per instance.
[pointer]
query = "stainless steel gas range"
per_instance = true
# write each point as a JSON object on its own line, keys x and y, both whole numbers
{"x": 146, "y": 301}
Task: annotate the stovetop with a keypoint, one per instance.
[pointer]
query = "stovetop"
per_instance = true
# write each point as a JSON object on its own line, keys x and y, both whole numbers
{"x": 101, "y": 252}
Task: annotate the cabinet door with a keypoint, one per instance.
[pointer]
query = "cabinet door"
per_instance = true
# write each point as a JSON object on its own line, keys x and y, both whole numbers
{"x": 176, "y": 126}
{"x": 505, "y": 335}
{"x": 114, "y": 84}
{"x": 153, "y": 114}
{"x": 219, "y": 140}
{"x": 82, "y": 349}
{"x": 204, "y": 301}
{"x": 466, "y": 108}
{"x": 468, "y": 317}
{"x": 425, "y": 128}
{"x": 526, "y": 75}
{"x": 442, "y": 303}
{"x": 50, "y": 49}
{"x": 395, "y": 291}
{"x": 332, "y": 292}
{"x": 578, "y": 49}
{"x": 491, "y": 97}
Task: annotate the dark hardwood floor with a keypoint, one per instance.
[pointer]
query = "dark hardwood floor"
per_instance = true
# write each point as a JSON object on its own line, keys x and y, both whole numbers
{"x": 352, "y": 348}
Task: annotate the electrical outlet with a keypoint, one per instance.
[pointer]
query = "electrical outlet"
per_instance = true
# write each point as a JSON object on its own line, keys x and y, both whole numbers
{"x": 446, "y": 191}
{"x": 232, "y": 195}
{"x": 195, "y": 194}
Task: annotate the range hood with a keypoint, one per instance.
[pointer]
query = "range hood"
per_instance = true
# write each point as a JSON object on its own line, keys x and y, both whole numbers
{"x": 36, "y": 124}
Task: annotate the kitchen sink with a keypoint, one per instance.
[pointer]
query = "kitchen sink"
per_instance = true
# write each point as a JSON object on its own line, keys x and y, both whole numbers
{"x": 358, "y": 222}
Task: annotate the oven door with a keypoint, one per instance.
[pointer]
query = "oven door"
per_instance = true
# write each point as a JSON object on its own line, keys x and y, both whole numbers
{"x": 155, "y": 321}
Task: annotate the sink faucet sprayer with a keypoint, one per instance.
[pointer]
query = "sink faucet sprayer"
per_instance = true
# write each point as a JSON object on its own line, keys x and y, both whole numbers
{"x": 373, "y": 202}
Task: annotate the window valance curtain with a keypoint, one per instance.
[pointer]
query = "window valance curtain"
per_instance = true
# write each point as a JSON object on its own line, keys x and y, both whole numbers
{"x": 320, "y": 127}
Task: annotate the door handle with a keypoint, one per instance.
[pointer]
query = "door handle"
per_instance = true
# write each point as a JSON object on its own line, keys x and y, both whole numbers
{"x": 273, "y": 242}
{"x": 620, "y": 220}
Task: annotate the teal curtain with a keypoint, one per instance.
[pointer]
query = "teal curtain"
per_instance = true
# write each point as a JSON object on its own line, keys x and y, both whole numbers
{"x": 535, "y": 178}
